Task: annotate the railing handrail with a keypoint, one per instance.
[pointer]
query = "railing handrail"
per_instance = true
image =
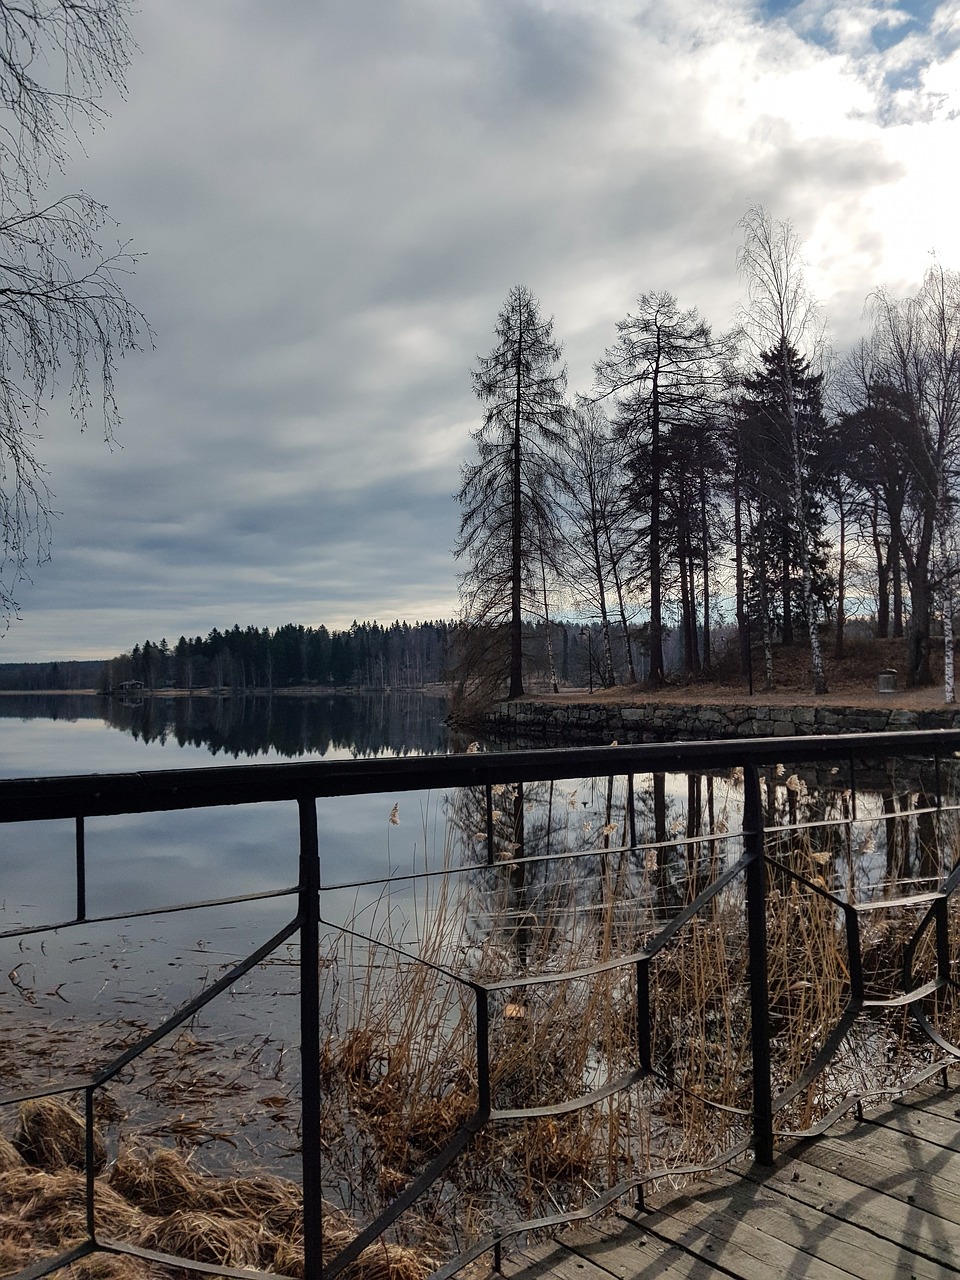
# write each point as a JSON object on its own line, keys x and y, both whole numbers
{"x": 91, "y": 795}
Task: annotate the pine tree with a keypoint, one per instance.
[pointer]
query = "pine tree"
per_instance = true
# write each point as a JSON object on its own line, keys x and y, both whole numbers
{"x": 507, "y": 518}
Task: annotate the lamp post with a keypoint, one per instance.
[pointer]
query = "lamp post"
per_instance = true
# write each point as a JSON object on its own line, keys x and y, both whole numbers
{"x": 585, "y": 631}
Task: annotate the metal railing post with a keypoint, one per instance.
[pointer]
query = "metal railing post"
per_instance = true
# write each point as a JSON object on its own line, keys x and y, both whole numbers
{"x": 757, "y": 943}
{"x": 81, "y": 870}
{"x": 309, "y": 891}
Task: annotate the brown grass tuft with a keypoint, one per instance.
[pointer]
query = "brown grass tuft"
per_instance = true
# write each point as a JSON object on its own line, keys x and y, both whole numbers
{"x": 160, "y": 1183}
{"x": 56, "y": 1203}
{"x": 109, "y": 1266}
{"x": 10, "y": 1157}
{"x": 51, "y": 1135}
{"x": 206, "y": 1237}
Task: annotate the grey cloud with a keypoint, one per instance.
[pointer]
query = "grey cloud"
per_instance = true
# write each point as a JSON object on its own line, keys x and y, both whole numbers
{"x": 334, "y": 201}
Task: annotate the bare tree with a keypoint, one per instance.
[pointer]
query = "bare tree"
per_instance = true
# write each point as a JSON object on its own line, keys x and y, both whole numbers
{"x": 917, "y": 341}
{"x": 63, "y": 313}
{"x": 781, "y": 317}
{"x": 595, "y": 533}
{"x": 663, "y": 370}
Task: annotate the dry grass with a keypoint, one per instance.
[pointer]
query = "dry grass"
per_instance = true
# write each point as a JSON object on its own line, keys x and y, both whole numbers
{"x": 156, "y": 1201}
{"x": 51, "y": 1135}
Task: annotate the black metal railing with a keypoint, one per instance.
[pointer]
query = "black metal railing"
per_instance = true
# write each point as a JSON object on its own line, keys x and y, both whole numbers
{"x": 79, "y": 798}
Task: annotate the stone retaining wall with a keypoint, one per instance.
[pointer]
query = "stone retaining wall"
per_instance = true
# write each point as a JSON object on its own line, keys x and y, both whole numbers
{"x": 589, "y": 722}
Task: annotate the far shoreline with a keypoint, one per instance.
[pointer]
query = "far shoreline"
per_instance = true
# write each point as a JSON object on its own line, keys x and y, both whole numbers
{"x": 293, "y": 691}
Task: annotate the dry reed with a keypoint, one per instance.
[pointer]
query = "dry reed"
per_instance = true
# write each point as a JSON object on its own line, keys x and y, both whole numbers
{"x": 51, "y": 1135}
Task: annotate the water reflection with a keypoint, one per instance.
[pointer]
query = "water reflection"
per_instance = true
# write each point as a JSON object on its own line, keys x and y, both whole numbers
{"x": 361, "y": 725}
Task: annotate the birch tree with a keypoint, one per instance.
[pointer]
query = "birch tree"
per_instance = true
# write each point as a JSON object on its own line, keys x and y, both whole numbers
{"x": 64, "y": 315}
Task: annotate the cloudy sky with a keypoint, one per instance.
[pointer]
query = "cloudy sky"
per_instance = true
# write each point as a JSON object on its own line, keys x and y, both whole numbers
{"x": 335, "y": 198}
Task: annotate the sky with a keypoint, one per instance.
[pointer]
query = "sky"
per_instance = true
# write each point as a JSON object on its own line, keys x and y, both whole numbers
{"x": 332, "y": 201}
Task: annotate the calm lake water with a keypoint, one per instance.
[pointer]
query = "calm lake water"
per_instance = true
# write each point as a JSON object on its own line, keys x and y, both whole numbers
{"x": 72, "y": 997}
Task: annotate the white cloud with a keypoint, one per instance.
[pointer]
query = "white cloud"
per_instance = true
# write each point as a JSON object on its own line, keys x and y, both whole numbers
{"x": 336, "y": 199}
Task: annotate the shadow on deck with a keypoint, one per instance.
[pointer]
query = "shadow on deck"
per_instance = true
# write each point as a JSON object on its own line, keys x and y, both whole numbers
{"x": 873, "y": 1198}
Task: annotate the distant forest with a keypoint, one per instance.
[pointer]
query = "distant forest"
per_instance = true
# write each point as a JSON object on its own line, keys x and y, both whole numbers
{"x": 369, "y": 655}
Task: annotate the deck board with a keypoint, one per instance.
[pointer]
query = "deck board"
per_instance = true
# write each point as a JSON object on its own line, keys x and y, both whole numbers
{"x": 871, "y": 1199}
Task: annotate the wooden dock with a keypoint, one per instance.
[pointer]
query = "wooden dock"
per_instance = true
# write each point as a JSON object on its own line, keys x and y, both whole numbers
{"x": 874, "y": 1198}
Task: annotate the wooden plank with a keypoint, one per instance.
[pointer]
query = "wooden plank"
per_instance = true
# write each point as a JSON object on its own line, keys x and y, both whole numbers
{"x": 899, "y": 1151}
{"x": 540, "y": 1261}
{"x": 918, "y": 1122}
{"x": 701, "y": 1226}
{"x": 628, "y": 1252}
{"x": 598, "y": 1252}
{"x": 934, "y": 1099}
{"x": 841, "y": 1242}
{"x": 882, "y": 1214}
{"x": 911, "y": 1184}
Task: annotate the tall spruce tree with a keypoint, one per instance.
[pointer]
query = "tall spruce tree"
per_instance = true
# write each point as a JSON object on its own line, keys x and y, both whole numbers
{"x": 507, "y": 517}
{"x": 778, "y": 542}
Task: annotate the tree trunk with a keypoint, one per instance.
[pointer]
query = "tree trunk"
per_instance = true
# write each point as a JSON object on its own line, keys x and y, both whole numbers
{"x": 705, "y": 541}
{"x": 841, "y": 576}
{"x": 621, "y": 607}
{"x": 786, "y": 628}
{"x": 921, "y": 607}
{"x": 896, "y": 568}
{"x": 656, "y": 676}
{"x": 608, "y": 677}
{"x": 946, "y": 560}
{"x": 743, "y": 621}
{"x": 516, "y": 620}
{"x": 554, "y": 684}
{"x": 882, "y": 556}
{"x": 949, "y": 689}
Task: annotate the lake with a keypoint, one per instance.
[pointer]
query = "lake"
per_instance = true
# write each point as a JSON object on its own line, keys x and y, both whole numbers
{"x": 74, "y": 992}
{"x": 227, "y": 1085}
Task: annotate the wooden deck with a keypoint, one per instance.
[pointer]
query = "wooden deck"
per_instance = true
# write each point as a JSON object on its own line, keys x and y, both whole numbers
{"x": 873, "y": 1198}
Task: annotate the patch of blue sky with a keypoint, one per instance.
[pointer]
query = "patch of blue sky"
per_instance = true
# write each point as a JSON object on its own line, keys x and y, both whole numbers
{"x": 889, "y": 23}
{"x": 818, "y": 22}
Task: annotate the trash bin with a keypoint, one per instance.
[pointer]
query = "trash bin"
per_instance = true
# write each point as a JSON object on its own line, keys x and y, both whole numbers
{"x": 887, "y": 681}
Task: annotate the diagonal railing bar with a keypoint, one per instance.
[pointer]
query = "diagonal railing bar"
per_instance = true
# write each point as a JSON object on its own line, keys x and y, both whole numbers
{"x": 623, "y": 1082}
{"x": 47, "y": 1090}
{"x": 78, "y": 798}
{"x": 906, "y": 998}
{"x": 187, "y": 1011}
{"x": 904, "y": 900}
{"x": 822, "y": 1059}
{"x": 123, "y": 1248}
{"x": 47, "y": 1266}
